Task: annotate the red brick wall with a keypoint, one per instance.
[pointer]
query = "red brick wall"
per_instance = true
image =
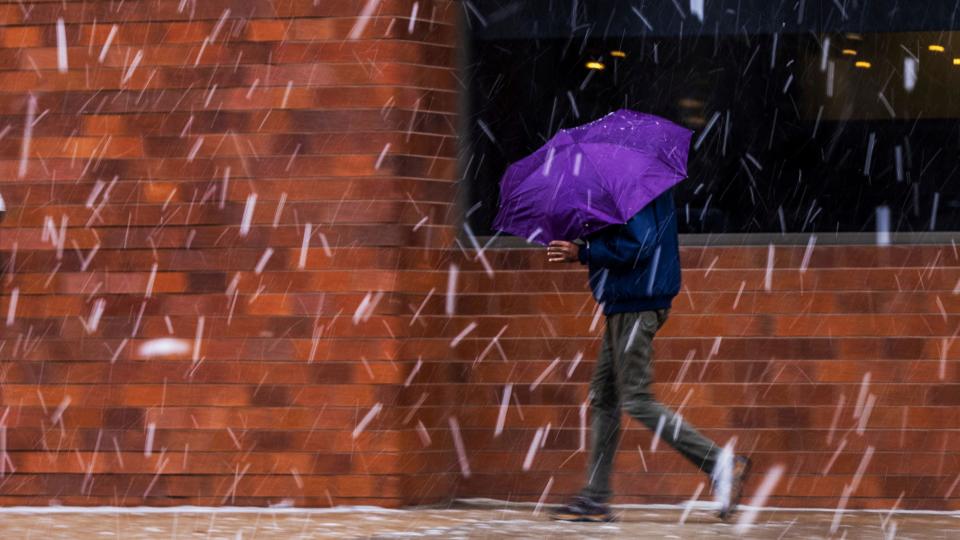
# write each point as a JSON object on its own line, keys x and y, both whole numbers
{"x": 783, "y": 361}
{"x": 267, "y": 407}
{"x": 302, "y": 117}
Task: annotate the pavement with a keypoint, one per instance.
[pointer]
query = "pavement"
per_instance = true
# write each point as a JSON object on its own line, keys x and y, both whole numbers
{"x": 461, "y": 521}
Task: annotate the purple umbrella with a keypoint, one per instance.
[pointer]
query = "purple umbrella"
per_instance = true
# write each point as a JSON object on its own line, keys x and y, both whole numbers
{"x": 592, "y": 176}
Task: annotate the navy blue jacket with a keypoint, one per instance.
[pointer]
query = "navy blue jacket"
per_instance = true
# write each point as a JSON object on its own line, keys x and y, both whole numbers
{"x": 636, "y": 267}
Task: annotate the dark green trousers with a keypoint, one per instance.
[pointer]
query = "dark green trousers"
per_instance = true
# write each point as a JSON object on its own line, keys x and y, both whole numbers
{"x": 622, "y": 380}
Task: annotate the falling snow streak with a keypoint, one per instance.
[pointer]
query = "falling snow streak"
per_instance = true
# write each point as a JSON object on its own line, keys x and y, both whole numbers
{"x": 910, "y": 73}
{"x": 532, "y": 450}
{"x": 6, "y": 464}
{"x": 463, "y": 333}
{"x": 304, "y": 246}
{"x": 836, "y": 418}
{"x": 195, "y": 149}
{"x": 286, "y": 95}
{"x": 248, "y": 214}
{"x": 543, "y": 496}
{"x": 133, "y": 67}
{"x": 57, "y": 416}
{"x": 458, "y": 444}
{"x": 862, "y": 468}
{"x": 706, "y": 130}
{"x": 413, "y": 17}
{"x": 380, "y": 158}
{"x": 148, "y": 442}
{"x": 150, "y": 281}
{"x": 476, "y": 247}
{"x": 367, "y": 307}
{"x": 768, "y": 276}
{"x": 898, "y": 161}
{"x": 93, "y": 322}
{"x": 416, "y": 314}
{"x": 363, "y": 19}
{"x": 223, "y": 189}
{"x": 120, "y": 348}
{"x": 883, "y": 225}
{"x": 545, "y": 373}
{"x": 107, "y": 43}
{"x": 577, "y": 358}
{"x": 367, "y": 418}
{"x": 833, "y": 458}
{"x": 865, "y": 414}
{"x": 451, "y": 299}
{"x": 12, "y": 306}
{"x": 198, "y": 340}
{"x": 504, "y": 405}
{"x": 690, "y": 503}
{"x": 27, "y": 136}
{"x": 413, "y": 373}
{"x": 425, "y": 439}
{"x": 655, "y": 440}
{"x": 824, "y": 53}
{"x": 831, "y": 76}
{"x": 808, "y": 253}
{"x": 944, "y": 348}
{"x": 62, "y": 64}
{"x": 849, "y": 490}
{"x": 264, "y": 259}
{"x": 325, "y": 245}
{"x": 216, "y": 29}
{"x": 486, "y": 130}
{"x": 862, "y": 395}
{"x": 871, "y": 144}
{"x": 933, "y": 211}
{"x": 583, "y": 431}
{"x": 495, "y": 342}
{"x": 696, "y": 9}
{"x": 736, "y": 301}
{"x": 760, "y": 496}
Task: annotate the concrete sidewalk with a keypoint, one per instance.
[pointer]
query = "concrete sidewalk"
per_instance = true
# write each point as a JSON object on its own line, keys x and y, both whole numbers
{"x": 486, "y": 521}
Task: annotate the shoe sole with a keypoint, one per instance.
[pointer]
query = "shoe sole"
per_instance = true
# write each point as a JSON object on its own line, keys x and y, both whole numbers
{"x": 590, "y": 518}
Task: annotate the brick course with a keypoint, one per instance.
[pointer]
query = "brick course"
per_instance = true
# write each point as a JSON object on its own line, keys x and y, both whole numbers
{"x": 143, "y": 164}
{"x": 781, "y": 370}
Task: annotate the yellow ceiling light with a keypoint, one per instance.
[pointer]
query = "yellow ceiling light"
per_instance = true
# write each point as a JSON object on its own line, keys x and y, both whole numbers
{"x": 956, "y": 61}
{"x": 618, "y": 54}
{"x": 849, "y": 52}
{"x": 598, "y": 66}
{"x": 690, "y": 103}
{"x": 936, "y": 48}
{"x": 863, "y": 65}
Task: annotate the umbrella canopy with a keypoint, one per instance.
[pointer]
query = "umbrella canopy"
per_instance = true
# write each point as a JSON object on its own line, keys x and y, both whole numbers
{"x": 592, "y": 176}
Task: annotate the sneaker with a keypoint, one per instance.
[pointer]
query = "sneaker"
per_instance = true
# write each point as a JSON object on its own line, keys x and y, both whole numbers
{"x": 741, "y": 469}
{"x": 582, "y": 509}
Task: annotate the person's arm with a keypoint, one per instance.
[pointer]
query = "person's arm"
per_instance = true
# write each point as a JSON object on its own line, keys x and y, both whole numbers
{"x": 631, "y": 244}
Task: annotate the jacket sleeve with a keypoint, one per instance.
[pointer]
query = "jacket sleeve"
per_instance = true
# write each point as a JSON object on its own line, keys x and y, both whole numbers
{"x": 623, "y": 247}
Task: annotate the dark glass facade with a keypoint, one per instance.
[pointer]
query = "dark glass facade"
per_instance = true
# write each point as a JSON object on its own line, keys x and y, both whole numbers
{"x": 809, "y": 116}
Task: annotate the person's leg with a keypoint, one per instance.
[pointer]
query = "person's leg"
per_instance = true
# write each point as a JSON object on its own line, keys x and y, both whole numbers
{"x": 635, "y": 351}
{"x": 605, "y": 421}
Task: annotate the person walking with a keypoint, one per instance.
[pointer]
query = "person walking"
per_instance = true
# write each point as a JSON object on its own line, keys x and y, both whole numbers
{"x": 634, "y": 273}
